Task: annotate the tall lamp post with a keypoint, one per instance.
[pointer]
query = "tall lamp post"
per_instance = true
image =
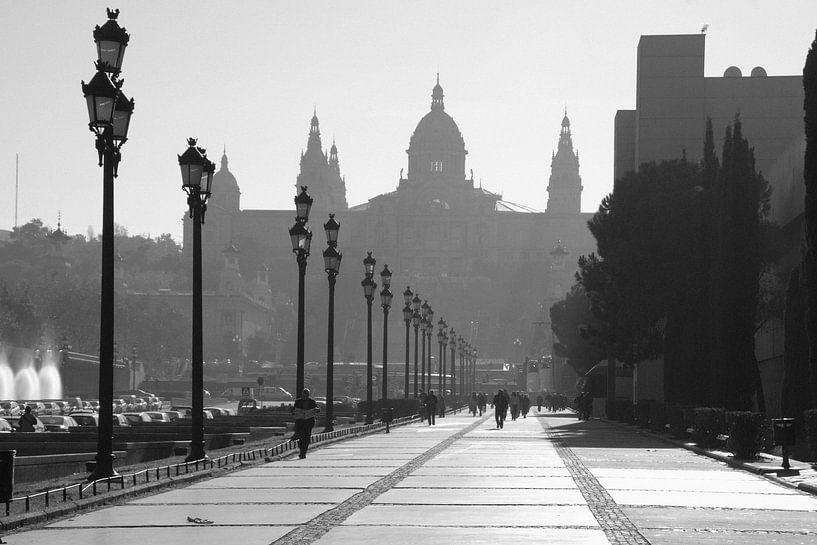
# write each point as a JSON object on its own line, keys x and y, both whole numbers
{"x": 109, "y": 113}
{"x": 368, "y": 291}
{"x": 429, "y": 331}
{"x": 197, "y": 170}
{"x": 331, "y": 263}
{"x": 385, "y": 302}
{"x": 407, "y": 319}
{"x": 452, "y": 343}
{"x": 415, "y": 321}
{"x": 441, "y": 341}
{"x": 301, "y": 238}
{"x": 423, "y": 333}
{"x": 461, "y": 351}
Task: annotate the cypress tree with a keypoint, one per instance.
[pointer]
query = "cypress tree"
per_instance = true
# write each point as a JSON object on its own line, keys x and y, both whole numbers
{"x": 810, "y": 179}
{"x": 736, "y": 273}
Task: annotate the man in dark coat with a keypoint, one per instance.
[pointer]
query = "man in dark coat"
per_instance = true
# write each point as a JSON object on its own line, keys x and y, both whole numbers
{"x": 28, "y": 421}
{"x": 500, "y": 409}
{"x": 304, "y": 410}
{"x": 431, "y": 407}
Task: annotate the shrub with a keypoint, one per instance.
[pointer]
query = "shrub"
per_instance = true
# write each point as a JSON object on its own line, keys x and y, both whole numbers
{"x": 810, "y": 421}
{"x": 745, "y": 433}
{"x": 624, "y": 410}
{"x": 679, "y": 419}
{"x": 644, "y": 412}
{"x": 707, "y": 424}
{"x": 658, "y": 418}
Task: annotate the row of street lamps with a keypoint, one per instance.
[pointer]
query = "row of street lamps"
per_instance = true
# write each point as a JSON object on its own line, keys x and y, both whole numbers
{"x": 109, "y": 112}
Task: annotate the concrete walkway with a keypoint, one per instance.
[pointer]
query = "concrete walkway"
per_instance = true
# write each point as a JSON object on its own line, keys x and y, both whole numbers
{"x": 544, "y": 479}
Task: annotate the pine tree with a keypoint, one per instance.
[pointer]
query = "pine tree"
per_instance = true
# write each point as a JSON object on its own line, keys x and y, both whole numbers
{"x": 810, "y": 179}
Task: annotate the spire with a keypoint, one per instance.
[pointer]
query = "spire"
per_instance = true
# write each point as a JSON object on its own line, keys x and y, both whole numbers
{"x": 314, "y": 142}
{"x": 437, "y": 96}
{"x": 224, "y": 158}
{"x": 333, "y": 155}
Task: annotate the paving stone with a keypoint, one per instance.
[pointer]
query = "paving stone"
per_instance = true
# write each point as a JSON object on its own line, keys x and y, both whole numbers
{"x": 475, "y": 496}
{"x": 200, "y": 535}
{"x": 414, "y": 535}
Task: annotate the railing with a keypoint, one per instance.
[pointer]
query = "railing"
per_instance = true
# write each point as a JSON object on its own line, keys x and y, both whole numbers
{"x": 101, "y": 486}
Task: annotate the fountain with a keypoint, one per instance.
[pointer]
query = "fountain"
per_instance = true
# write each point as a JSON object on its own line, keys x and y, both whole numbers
{"x": 28, "y": 382}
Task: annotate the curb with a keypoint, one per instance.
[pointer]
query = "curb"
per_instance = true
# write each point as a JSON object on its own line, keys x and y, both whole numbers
{"x": 810, "y": 488}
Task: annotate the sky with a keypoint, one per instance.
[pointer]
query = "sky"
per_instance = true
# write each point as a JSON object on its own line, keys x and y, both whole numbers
{"x": 246, "y": 77}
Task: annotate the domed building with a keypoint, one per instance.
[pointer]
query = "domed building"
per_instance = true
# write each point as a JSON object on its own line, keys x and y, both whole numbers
{"x": 462, "y": 247}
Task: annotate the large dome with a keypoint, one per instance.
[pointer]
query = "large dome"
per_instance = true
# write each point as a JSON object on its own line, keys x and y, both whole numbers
{"x": 436, "y": 148}
{"x": 436, "y": 131}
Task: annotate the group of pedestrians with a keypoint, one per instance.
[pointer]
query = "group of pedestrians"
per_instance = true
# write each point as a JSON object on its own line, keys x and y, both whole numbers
{"x": 517, "y": 403}
{"x": 429, "y": 404}
{"x": 477, "y": 402}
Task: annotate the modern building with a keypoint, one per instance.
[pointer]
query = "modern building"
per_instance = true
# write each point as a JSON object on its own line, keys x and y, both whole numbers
{"x": 458, "y": 244}
{"x": 673, "y": 101}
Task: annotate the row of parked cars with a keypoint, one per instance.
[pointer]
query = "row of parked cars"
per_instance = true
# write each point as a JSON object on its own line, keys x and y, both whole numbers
{"x": 124, "y": 404}
{"x": 83, "y": 418}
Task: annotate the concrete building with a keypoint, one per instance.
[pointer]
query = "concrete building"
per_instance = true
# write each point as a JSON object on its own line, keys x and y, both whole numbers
{"x": 674, "y": 98}
{"x": 673, "y": 101}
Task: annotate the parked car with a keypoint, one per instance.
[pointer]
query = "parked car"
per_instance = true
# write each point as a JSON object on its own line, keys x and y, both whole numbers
{"x": 15, "y": 423}
{"x": 246, "y": 406}
{"x": 5, "y": 427}
{"x": 136, "y": 417}
{"x": 120, "y": 420}
{"x": 157, "y": 416}
{"x": 185, "y": 411}
{"x": 173, "y": 415}
{"x": 10, "y": 408}
{"x": 55, "y": 422}
{"x": 85, "y": 418}
{"x": 220, "y": 411}
{"x": 37, "y": 407}
{"x": 52, "y": 407}
{"x": 154, "y": 403}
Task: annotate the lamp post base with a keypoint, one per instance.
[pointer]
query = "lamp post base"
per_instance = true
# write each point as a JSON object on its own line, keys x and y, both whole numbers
{"x": 196, "y": 453}
{"x": 103, "y": 468}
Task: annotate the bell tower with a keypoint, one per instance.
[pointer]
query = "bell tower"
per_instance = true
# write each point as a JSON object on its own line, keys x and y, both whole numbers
{"x": 565, "y": 184}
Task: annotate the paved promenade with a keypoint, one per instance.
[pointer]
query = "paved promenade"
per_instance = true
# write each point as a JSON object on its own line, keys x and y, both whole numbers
{"x": 544, "y": 479}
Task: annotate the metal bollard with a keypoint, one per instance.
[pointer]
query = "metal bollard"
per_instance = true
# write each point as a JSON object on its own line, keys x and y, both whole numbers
{"x": 7, "y": 474}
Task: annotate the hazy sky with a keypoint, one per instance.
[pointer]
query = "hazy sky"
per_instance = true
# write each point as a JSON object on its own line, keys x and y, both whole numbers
{"x": 247, "y": 75}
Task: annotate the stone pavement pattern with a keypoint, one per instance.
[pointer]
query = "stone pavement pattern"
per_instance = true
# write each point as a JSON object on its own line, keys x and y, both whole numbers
{"x": 543, "y": 479}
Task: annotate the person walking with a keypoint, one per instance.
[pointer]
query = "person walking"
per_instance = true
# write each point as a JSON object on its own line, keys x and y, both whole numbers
{"x": 304, "y": 410}
{"x": 539, "y": 400}
{"x": 514, "y": 405}
{"x": 482, "y": 400}
{"x": 472, "y": 404}
{"x": 431, "y": 407}
{"x": 500, "y": 409}
{"x": 441, "y": 403}
{"x": 524, "y": 404}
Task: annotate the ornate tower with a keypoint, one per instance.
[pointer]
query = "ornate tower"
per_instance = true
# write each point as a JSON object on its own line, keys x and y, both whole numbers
{"x": 436, "y": 149}
{"x": 321, "y": 173}
{"x": 565, "y": 185}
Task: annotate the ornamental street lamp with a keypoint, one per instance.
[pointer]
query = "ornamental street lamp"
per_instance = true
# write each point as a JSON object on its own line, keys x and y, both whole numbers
{"x": 197, "y": 178}
{"x": 429, "y": 331}
{"x": 452, "y": 345}
{"x": 441, "y": 341}
{"x": 331, "y": 262}
{"x": 423, "y": 329}
{"x": 368, "y": 292}
{"x": 109, "y": 115}
{"x": 301, "y": 238}
{"x": 385, "y": 302}
{"x": 415, "y": 321}
{"x": 460, "y": 347}
{"x": 407, "y": 319}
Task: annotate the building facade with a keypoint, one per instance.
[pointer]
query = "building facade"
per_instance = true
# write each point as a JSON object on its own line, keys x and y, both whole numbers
{"x": 456, "y": 243}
